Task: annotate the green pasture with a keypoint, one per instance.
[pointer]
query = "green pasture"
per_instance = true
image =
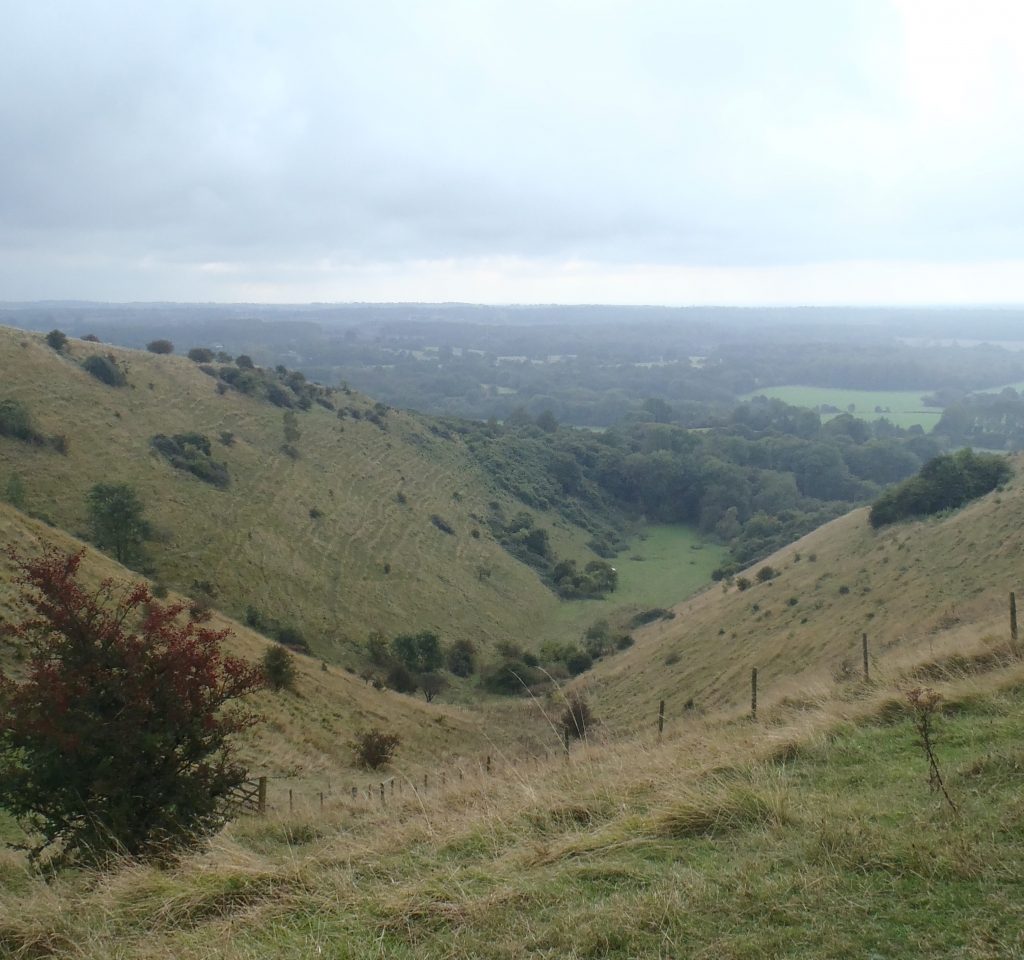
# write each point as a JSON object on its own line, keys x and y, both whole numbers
{"x": 901, "y": 407}
{"x": 664, "y": 564}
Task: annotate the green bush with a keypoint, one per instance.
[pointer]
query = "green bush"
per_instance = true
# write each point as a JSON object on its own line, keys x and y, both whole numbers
{"x": 160, "y": 346}
{"x": 106, "y": 370}
{"x": 943, "y": 483}
{"x": 375, "y": 748}
{"x": 58, "y": 340}
{"x": 191, "y": 452}
{"x": 461, "y": 657}
{"x": 201, "y": 355}
{"x": 279, "y": 668}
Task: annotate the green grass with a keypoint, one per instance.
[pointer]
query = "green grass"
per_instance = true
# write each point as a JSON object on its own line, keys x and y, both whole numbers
{"x": 665, "y": 564}
{"x": 904, "y": 406}
{"x": 841, "y": 850}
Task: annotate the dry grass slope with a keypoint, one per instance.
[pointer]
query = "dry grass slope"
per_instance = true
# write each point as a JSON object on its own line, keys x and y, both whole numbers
{"x": 923, "y": 588}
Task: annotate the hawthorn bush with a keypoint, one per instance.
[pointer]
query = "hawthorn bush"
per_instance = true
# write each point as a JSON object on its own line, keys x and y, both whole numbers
{"x": 374, "y": 748}
{"x": 117, "y": 742}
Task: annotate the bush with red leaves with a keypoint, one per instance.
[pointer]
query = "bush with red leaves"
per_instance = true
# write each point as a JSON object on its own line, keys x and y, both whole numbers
{"x": 117, "y": 740}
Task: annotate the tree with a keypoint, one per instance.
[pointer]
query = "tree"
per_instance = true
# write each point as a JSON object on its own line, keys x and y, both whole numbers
{"x": 115, "y": 521}
{"x": 201, "y": 355}
{"x": 118, "y": 739}
{"x": 279, "y": 668}
{"x": 462, "y": 658}
{"x": 57, "y": 339}
{"x": 160, "y": 346}
{"x": 420, "y": 653}
{"x": 431, "y": 684}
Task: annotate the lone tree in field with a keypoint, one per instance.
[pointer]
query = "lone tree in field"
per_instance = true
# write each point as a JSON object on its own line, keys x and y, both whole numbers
{"x": 117, "y": 740}
{"x": 115, "y": 521}
{"x": 160, "y": 346}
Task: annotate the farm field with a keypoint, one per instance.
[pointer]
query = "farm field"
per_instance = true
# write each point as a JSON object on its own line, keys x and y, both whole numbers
{"x": 902, "y": 407}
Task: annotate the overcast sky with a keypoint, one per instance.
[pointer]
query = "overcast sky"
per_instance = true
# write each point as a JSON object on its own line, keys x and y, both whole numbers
{"x": 633, "y": 151}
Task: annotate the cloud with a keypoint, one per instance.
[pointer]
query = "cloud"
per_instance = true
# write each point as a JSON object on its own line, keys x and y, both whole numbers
{"x": 656, "y": 138}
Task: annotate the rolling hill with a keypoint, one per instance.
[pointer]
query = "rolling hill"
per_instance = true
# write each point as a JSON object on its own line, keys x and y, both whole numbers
{"x": 374, "y": 520}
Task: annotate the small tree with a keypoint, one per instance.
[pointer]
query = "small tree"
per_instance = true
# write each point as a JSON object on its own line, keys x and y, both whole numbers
{"x": 462, "y": 658}
{"x": 375, "y": 748}
{"x": 160, "y": 346}
{"x": 118, "y": 739}
{"x": 58, "y": 340}
{"x": 431, "y": 684}
{"x": 279, "y": 668}
{"x": 201, "y": 355}
{"x": 115, "y": 521}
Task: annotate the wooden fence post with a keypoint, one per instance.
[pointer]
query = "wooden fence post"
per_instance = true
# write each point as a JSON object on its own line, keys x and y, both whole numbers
{"x": 565, "y": 737}
{"x": 753, "y": 693}
{"x": 864, "y": 649}
{"x": 424, "y": 783}
{"x": 261, "y": 797}
{"x": 355, "y": 793}
{"x": 661, "y": 718}
{"x": 1013, "y": 616}
{"x": 382, "y": 801}
{"x": 488, "y": 763}
{"x": 291, "y": 801}
{"x": 321, "y": 801}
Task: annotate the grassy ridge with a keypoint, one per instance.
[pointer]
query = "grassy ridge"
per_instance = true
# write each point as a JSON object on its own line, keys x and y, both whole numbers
{"x": 922, "y": 585}
{"x": 323, "y": 542}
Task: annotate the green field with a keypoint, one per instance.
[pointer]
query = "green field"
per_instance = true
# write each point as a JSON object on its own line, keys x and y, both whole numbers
{"x": 902, "y": 407}
{"x": 664, "y": 565}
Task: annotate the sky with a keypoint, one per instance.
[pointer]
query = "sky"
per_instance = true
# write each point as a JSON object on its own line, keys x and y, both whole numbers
{"x": 513, "y": 151}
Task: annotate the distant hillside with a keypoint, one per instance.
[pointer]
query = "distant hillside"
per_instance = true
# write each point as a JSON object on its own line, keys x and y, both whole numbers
{"x": 915, "y": 588}
{"x": 369, "y": 521}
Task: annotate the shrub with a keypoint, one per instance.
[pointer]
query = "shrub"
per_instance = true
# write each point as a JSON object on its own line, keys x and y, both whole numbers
{"x": 577, "y": 717}
{"x": 160, "y": 346}
{"x": 201, "y": 355}
{"x": 106, "y": 370}
{"x": 578, "y": 661}
{"x": 766, "y": 573}
{"x": 510, "y": 677}
{"x": 279, "y": 668}
{"x": 742, "y": 583}
{"x": 461, "y": 658}
{"x": 243, "y": 362}
{"x": 420, "y": 652}
{"x": 400, "y": 679}
{"x": 118, "y": 740}
{"x": 441, "y": 524}
{"x": 58, "y": 340}
{"x": 375, "y": 748}
{"x": 291, "y": 637}
{"x": 943, "y": 483}
{"x": 191, "y": 452}
{"x": 16, "y": 422}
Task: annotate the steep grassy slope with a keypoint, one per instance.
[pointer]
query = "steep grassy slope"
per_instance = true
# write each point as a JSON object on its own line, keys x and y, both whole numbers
{"x": 913, "y": 586}
{"x": 304, "y": 739}
{"x": 323, "y": 542}
{"x": 811, "y": 836}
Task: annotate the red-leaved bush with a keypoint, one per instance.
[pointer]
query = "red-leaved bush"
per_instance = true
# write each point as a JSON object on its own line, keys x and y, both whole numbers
{"x": 117, "y": 741}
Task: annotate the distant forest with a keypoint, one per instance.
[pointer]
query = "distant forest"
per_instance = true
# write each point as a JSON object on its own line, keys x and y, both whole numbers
{"x": 587, "y": 366}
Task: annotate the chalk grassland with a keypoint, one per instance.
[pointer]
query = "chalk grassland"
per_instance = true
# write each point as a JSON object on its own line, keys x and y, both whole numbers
{"x": 912, "y": 586}
{"x": 812, "y": 834}
{"x": 902, "y": 407}
{"x": 304, "y": 740}
{"x": 361, "y": 561}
